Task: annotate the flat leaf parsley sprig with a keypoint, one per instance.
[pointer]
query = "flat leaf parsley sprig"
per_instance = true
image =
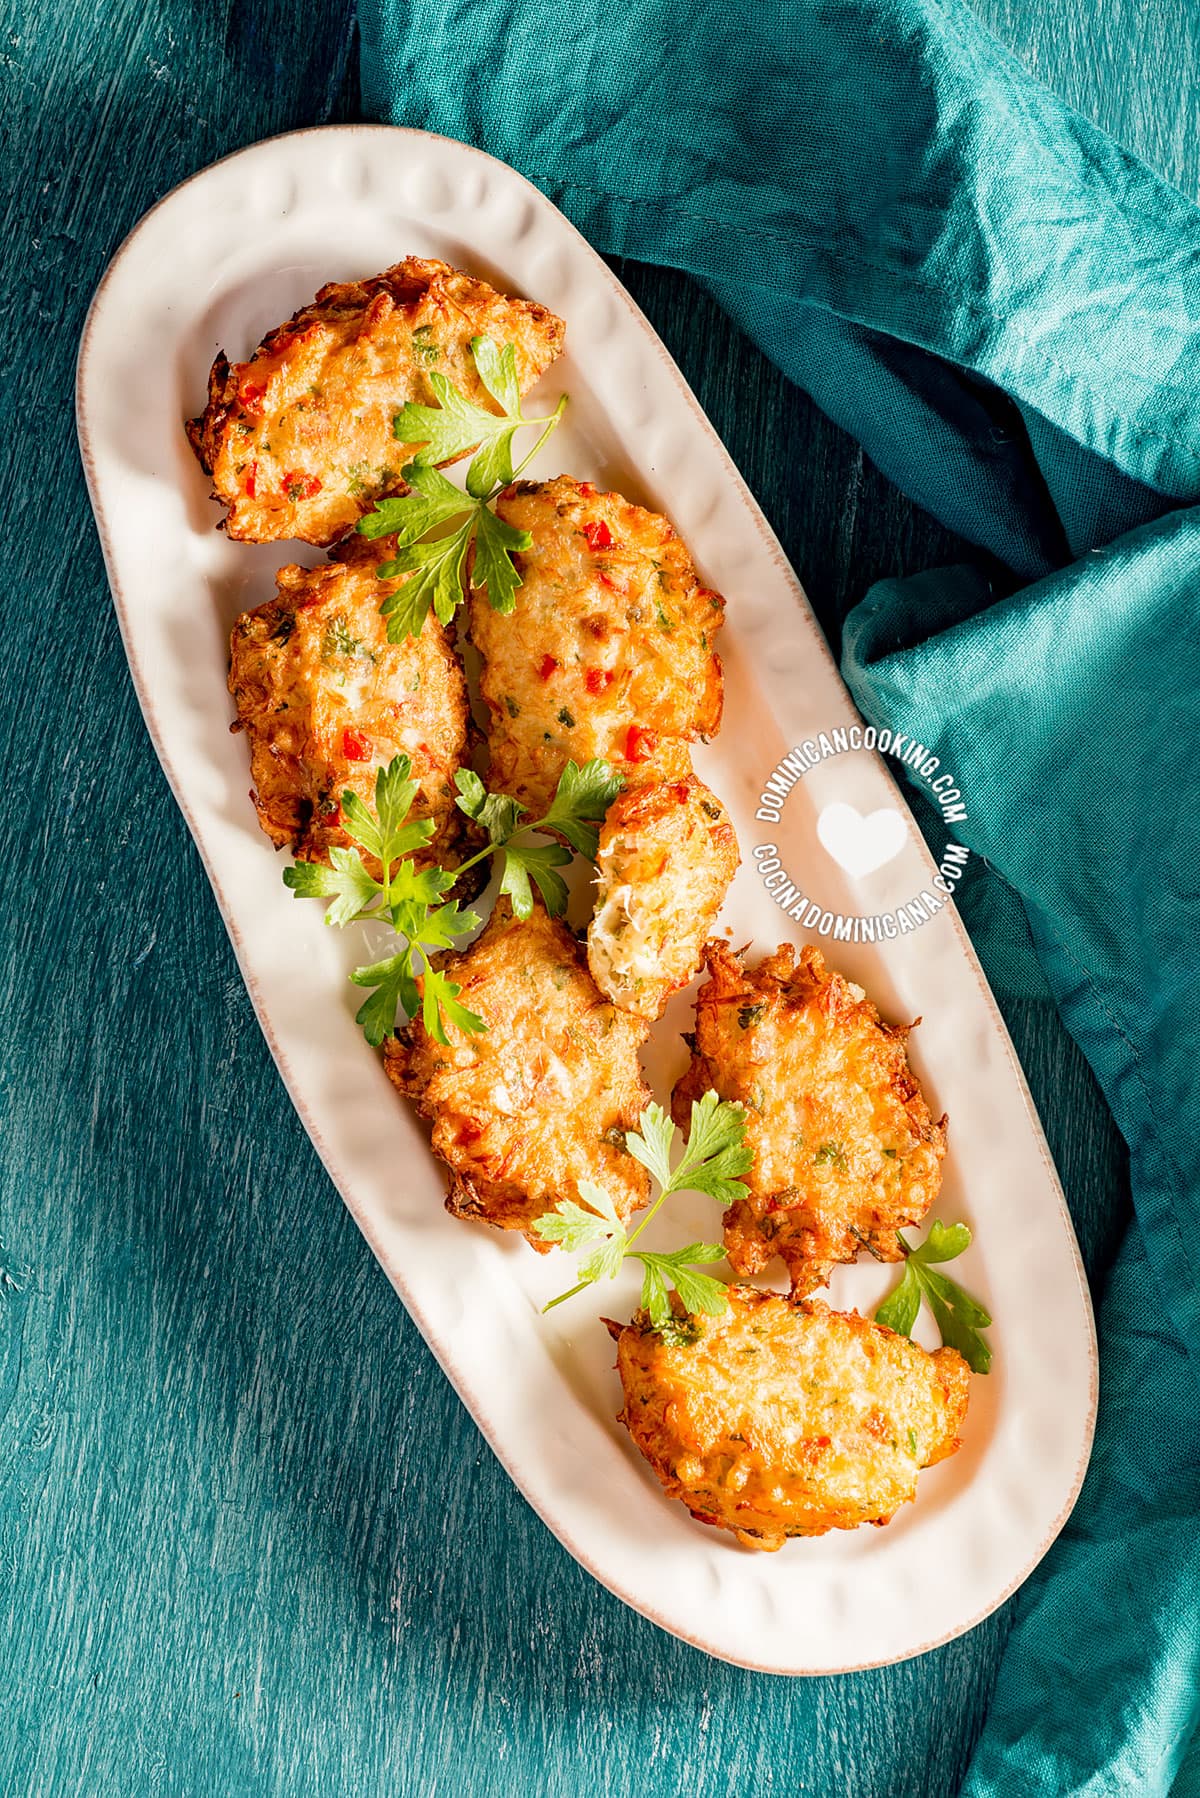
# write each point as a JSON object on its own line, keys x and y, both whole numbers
{"x": 958, "y": 1316}
{"x": 714, "y": 1155}
{"x": 413, "y": 900}
{"x": 436, "y": 566}
{"x": 581, "y": 798}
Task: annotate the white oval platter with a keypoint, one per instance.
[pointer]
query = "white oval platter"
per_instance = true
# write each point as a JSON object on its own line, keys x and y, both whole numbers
{"x": 235, "y": 251}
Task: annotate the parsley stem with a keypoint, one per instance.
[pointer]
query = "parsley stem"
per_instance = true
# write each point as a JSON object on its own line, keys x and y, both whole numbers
{"x": 549, "y": 1306}
{"x": 626, "y": 1252}
{"x": 472, "y": 861}
{"x": 649, "y": 1217}
{"x": 491, "y": 848}
{"x": 550, "y": 423}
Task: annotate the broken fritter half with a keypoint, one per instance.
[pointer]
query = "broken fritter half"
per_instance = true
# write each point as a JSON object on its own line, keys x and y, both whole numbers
{"x": 298, "y": 440}
{"x": 325, "y": 701}
{"x": 783, "y": 1418}
{"x": 541, "y": 1099}
{"x": 609, "y": 651}
{"x": 846, "y": 1151}
{"x": 667, "y": 855}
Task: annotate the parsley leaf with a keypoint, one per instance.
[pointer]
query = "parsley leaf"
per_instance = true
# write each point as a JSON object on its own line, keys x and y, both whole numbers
{"x": 496, "y": 542}
{"x": 581, "y": 799}
{"x": 958, "y": 1316}
{"x": 456, "y": 425}
{"x": 413, "y": 899}
{"x": 536, "y": 862}
{"x": 395, "y": 989}
{"x": 444, "y": 432}
{"x": 575, "y": 1229}
{"x": 899, "y": 1310}
{"x": 435, "y": 568}
{"x": 346, "y": 883}
{"x": 419, "y": 886}
{"x": 440, "y": 1000}
{"x": 387, "y": 835}
{"x": 499, "y": 815}
{"x": 714, "y": 1152}
{"x": 604, "y": 1263}
{"x": 699, "y": 1292}
{"x": 406, "y": 608}
{"x": 651, "y": 1143}
{"x": 433, "y": 501}
{"x": 944, "y": 1242}
{"x": 498, "y": 372}
{"x": 441, "y": 929}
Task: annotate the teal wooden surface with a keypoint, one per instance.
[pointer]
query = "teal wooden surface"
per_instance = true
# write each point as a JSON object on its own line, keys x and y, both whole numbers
{"x": 249, "y": 1540}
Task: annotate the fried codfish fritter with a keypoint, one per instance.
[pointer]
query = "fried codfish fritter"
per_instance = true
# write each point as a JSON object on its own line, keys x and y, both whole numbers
{"x": 667, "y": 855}
{"x": 326, "y": 700}
{"x": 784, "y": 1418}
{"x": 298, "y": 440}
{"x": 846, "y": 1151}
{"x": 542, "y": 1099}
{"x": 609, "y": 651}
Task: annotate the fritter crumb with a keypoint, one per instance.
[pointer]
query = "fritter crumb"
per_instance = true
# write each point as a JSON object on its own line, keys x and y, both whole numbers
{"x": 299, "y": 441}
{"x": 846, "y": 1151}
{"x": 325, "y": 701}
{"x": 667, "y": 855}
{"x": 610, "y": 650}
{"x": 543, "y": 1098}
{"x": 783, "y": 1418}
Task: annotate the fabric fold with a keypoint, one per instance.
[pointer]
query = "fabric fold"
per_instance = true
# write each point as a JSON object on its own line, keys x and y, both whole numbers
{"x": 1073, "y": 727}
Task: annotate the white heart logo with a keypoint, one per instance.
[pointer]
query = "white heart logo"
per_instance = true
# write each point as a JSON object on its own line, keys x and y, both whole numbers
{"x": 858, "y": 844}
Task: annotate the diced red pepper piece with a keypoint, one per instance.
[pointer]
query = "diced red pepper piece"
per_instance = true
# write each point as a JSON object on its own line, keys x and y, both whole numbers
{"x": 598, "y": 536}
{"x": 251, "y": 395}
{"x": 549, "y": 664}
{"x": 298, "y": 485}
{"x": 252, "y": 481}
{"x": 587, "y": 488}
{"x": 604, "y": 580}
{"x": 640, "y": 744}
{"x": 355, "y": 747}
{"x": 597, "y": 679}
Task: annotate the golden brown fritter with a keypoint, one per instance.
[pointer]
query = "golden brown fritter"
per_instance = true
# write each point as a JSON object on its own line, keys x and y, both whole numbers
{"x": 542, "y": 1099}
{"x": 609, "y": 651}
{"x": 298, "y": 440}
{"x": 326, "y": 700}
{"x": 667, "y": 855}
{"x": 846, "y": 1151}
{"x": 784, "y": 1418}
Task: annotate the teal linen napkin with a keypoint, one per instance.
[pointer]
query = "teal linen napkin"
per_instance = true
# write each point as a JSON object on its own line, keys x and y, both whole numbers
{"x": 1002, "y": 306}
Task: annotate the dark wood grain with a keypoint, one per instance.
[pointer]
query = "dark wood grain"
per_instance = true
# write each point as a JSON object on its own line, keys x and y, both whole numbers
{"x": 249, "y": 1540}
